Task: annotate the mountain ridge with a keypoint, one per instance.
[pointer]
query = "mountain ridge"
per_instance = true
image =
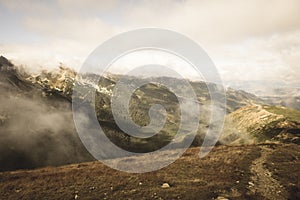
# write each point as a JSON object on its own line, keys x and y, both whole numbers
{"x": 262, "y": 123}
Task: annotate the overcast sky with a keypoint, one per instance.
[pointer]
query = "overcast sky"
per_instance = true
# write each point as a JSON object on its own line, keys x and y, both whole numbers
{"x": 247, "y": 39}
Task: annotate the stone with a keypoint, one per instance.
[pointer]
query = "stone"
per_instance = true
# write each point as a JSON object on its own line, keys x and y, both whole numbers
{"x": 165, "y": 185}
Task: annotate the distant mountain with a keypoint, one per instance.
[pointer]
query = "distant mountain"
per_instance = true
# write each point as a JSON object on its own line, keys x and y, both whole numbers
{"x": 261, "y": 123}
{"x": 284, "y": 96}
{"x": 274, "y": 92}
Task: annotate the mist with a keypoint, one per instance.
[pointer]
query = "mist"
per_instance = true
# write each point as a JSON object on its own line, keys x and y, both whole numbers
{"x": 37, "y": 131}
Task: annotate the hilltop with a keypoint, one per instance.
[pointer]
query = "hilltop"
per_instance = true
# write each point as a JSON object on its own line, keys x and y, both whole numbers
{"x": 262, "y": 123}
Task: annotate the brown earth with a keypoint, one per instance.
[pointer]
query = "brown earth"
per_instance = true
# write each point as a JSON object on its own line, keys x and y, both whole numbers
{"x": 269, "y": 171}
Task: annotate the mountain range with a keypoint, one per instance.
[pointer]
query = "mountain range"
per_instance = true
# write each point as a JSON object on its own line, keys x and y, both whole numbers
{"x": 37, "y": 128}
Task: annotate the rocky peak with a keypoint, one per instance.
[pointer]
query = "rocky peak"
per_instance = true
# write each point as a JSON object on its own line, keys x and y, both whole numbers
{"x": 4, "y": 62}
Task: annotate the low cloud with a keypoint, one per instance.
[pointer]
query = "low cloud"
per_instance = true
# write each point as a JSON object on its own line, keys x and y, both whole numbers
{"x": 37, "y": 132}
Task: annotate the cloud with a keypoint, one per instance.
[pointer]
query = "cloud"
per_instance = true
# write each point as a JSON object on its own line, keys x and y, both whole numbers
{"x": 219, "y": 21}
{"x": 37, "y": 132}
{"x": 60, "y": 7}
{"x": 260, "y": 37}
{"x": 85, "y": 30}
{"x": 274, "y": 57}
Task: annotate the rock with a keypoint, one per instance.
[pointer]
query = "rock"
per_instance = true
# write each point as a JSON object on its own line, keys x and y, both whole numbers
{"x": 268, "y": 174}
{"x": 165, "y": 185}
{"x": 251, "y": 184}
{"x": 18, "y": 190}
{"x": 196, "y": 180}
{"x": 221, "y": 198}
{"x": 76, "y": 196}
{"x": 92, "y": 188}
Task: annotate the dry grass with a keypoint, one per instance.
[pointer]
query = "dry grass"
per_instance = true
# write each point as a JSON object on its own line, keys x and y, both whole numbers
{"x": 224, "y": 172}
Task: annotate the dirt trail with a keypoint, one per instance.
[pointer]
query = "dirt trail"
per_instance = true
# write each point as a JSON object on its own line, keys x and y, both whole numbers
{"x": 262, "y": 181}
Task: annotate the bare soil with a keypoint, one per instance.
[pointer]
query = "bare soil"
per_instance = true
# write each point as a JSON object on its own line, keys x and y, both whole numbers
{"x": 270, "y": 171}
{"x": 262, "y": 180}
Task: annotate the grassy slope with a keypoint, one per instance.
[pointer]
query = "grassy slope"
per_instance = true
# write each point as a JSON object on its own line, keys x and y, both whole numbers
{"x": 290, "y": 114}
{"x": 256, "y": 124}
{"x": 224, "y": 172}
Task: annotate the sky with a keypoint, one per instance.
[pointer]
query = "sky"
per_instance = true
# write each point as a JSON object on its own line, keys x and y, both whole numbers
{"x": 247, "y": 40}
